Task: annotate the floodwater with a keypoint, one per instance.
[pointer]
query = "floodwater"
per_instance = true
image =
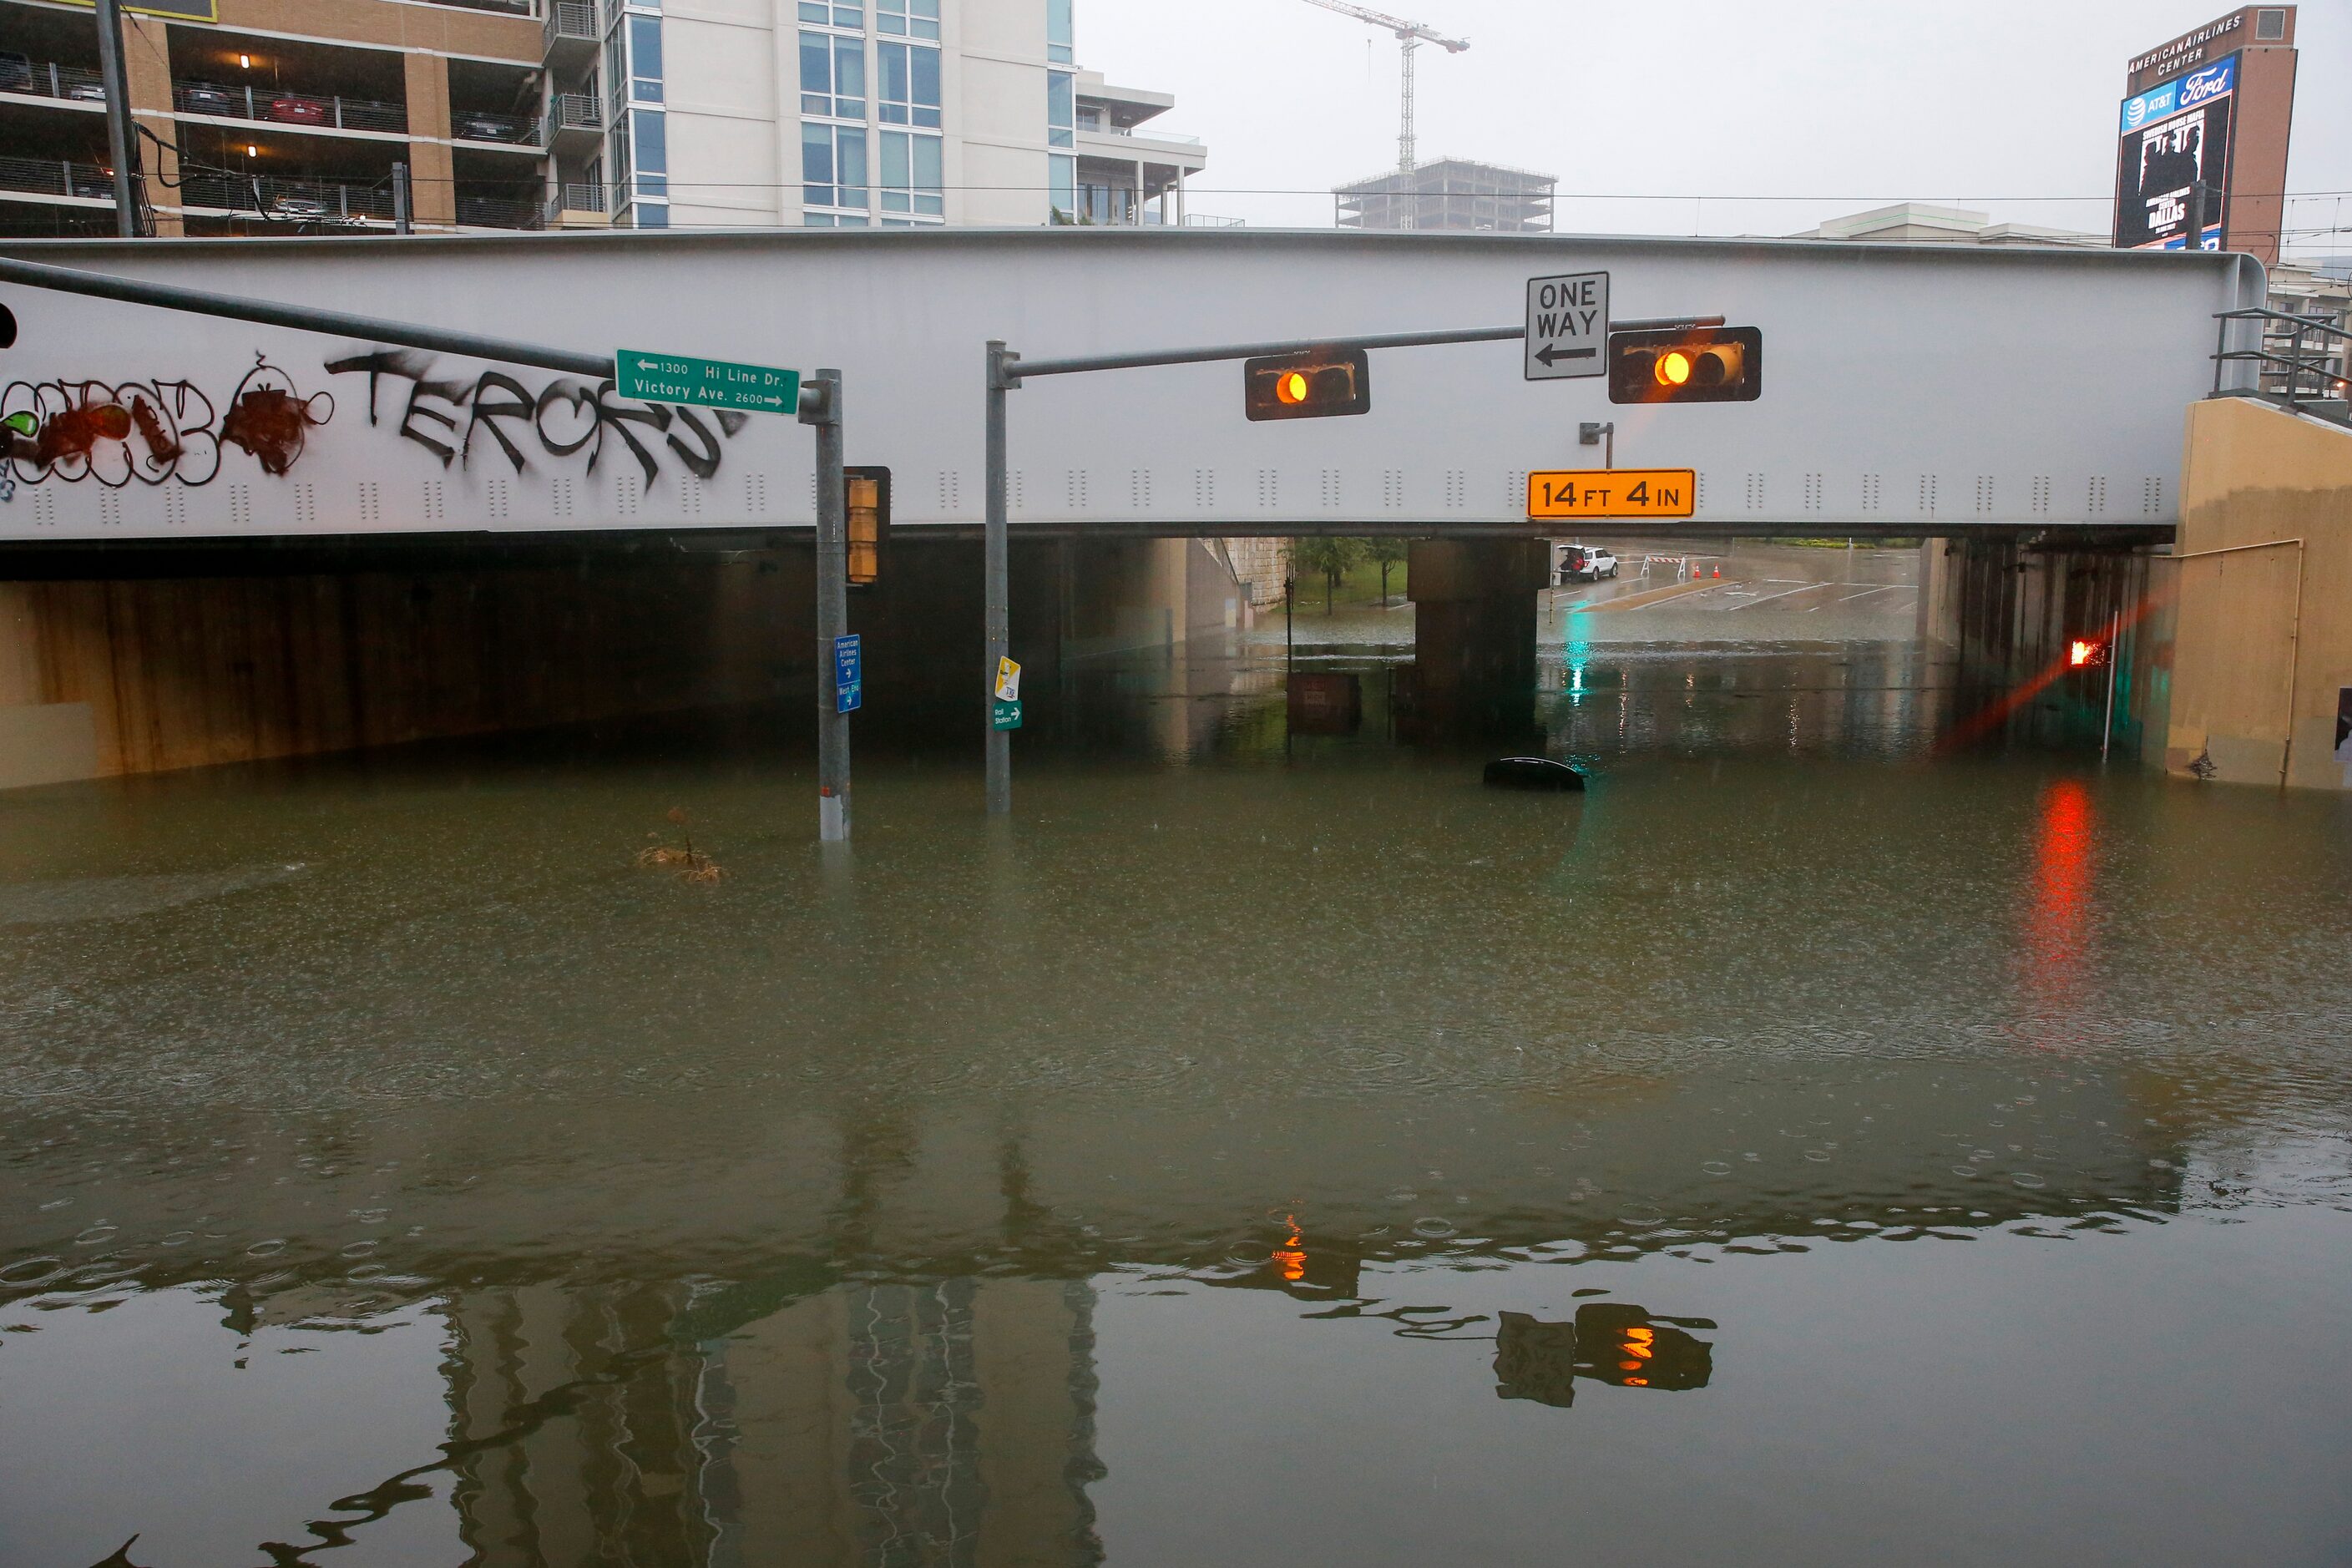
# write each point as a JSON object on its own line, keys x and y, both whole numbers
{"x": 1812, "y": 1143}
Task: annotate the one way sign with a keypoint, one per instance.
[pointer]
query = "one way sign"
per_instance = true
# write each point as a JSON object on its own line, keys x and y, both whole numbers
{"x": 1568, "y": 325}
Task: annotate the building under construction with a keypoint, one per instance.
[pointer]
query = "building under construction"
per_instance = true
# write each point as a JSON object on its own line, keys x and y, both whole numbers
{"x": 1450, "y": 194}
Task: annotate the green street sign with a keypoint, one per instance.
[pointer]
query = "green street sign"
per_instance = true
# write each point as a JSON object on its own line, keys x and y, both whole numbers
{"x": 652, "y": 377}
{"x": 1003, "y": 715}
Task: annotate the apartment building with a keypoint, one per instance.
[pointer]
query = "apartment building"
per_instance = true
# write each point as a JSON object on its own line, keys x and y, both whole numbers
{"x": 291, "y": 116}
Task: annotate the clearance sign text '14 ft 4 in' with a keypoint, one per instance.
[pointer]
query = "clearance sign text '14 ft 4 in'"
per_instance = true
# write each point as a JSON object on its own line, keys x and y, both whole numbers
{"x": 1612, "y": 493}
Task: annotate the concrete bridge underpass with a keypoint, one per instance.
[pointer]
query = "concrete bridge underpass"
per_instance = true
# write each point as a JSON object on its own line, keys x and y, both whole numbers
{"x": 284, "y": 544}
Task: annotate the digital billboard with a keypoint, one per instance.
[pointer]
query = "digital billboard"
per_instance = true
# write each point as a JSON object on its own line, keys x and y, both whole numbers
{"x": 2174, "y": 134}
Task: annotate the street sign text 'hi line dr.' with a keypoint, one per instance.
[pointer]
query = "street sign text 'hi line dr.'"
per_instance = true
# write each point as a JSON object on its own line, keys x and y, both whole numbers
{"x": 652, "y": 377}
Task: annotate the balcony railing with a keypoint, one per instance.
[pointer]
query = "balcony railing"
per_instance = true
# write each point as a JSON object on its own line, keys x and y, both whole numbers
{"x": 576, "y": 111}
{"x": 506, "y": 129}
{"x": 497, "y": 212}
{"x": 574, "y": 21}
{"x": 46, "y": 78}
{"x": 56, "y": 177}
{"x": 287, "y": 201}
{"x": 272, "y": 107}
{"x": 504, "y": 7}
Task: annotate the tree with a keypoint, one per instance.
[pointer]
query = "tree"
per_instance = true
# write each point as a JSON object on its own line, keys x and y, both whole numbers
{"x": 1331, "y": 557}
{"x": 1389, "y": 551}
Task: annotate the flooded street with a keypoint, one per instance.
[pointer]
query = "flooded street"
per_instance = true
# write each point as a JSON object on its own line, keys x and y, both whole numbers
{"x": 1814, "y": 1142}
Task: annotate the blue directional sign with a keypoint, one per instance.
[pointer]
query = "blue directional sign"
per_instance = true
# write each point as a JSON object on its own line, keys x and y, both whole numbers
{"x": 848, "y": 674}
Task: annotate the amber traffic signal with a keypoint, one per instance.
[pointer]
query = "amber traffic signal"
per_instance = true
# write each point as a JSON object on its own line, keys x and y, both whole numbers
{"x": 1687, "y": 364}
{"x": 1307, "y": 386}
{"x": 870, "y": 523}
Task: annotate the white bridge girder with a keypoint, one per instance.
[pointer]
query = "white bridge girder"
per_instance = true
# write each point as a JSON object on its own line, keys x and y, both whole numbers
{"x": 1905, "y": 390}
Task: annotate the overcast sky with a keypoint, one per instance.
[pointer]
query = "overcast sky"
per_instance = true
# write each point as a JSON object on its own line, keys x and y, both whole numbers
{"x": 1838, "y": 104}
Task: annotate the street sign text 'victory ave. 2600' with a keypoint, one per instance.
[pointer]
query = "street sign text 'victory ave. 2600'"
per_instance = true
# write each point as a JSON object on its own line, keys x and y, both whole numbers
{"x": 1612, "y": 492}
{"x": 652, "y": 377}
{"x": 1568, "y": 325}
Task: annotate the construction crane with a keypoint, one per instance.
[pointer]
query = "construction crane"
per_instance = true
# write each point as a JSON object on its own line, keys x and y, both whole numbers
{"x": 1411, "y": 35}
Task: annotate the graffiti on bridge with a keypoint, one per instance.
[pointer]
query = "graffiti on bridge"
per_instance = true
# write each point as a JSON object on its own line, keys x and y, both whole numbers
{"x": 156, "y": 430}
{"x": 152, "y": 431}
{"x": 562, "y": 419}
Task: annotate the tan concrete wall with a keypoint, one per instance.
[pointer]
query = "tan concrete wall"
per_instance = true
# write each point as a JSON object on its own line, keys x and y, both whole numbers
{"x": 2263, "y": 637}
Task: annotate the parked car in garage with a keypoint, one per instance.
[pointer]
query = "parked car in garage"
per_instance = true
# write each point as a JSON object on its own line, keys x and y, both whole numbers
{"x": 294, "y": 110}
{"x": 214, "y": 100}
{"x": 1586, "y": 563}
{"x": 492, "y": 128}
{"x": 16, "y": 73}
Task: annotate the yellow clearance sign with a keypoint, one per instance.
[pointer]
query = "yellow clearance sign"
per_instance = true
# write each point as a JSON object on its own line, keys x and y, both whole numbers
{"x": 1612, "y": 492}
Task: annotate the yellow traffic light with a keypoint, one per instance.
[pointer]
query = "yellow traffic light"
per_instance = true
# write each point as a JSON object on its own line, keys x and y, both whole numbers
{"x": 1686, "y": 364}
{"x": 1306, "y": 386}
{"x": 869, "y": 522}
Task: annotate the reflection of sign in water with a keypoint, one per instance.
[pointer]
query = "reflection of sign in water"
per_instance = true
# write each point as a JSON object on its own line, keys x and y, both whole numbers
{"x": 1325, "y": 704}
{"x": 1610, "y": 1342}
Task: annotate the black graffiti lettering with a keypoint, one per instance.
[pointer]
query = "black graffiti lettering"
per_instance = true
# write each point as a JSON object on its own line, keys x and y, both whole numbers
{"x": 496, "y": 396}
{"x": 583, "y": 403}
{"x": 620, "y": 419}
{"x": 193, "y": 415}
{"x": 416, "y": 410}
{"x": 407, "y": 365}
{"x": 701, "y": 464}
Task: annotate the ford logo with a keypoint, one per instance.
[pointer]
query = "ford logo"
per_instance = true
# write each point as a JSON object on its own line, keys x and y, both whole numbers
{"x": 2205, "y": 84}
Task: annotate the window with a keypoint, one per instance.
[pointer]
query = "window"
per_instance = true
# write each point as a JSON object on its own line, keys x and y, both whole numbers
{"x": 908, "y": 18}
{"x": 1060, "y": 44}
{"x": 1061, "y": 109}
{"x": 911, "y": 177}
{"x": 833, "y": 166}
{"x": 1062, "y": 178}
{"x": 651, "y": 214}
{"x": 645, "y": 59}
{"x": 910, "y": 84}
{"x": 833, "y": 75}
{"x": 838, "y": 13}
{"x": 650, "y": 132}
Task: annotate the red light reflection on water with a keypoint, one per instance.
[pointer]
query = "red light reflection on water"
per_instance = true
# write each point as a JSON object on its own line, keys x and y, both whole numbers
{"x": 2058, "y": 910}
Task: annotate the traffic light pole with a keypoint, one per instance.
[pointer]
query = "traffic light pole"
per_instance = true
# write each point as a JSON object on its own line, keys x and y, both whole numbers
{"x": 821, "y": 406}
{"x": 996, "y": 568}
{"x": 1007, "y": 370}
{"x": 122, "y": 146}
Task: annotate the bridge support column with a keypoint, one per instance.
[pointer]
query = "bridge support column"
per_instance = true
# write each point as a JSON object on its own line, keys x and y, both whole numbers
{"x": 1475, "y": 634}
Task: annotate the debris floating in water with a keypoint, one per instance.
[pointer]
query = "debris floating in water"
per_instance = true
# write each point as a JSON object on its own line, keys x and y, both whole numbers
{"x": 1532, "y": 773}
{"x": 690, "y": 866}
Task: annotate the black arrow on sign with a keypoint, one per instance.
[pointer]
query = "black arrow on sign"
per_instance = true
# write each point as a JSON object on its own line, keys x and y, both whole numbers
{"x": 1547, "y": 353}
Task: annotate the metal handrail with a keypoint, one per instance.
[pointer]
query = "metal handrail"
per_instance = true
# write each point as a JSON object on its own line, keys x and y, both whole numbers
{"x": 46, "y": 78}
{"x": 289, "y": 201}
{"x": 273, "y": 106}
{"x": 56, "y": 177}
{"x": 575, "y": 111}
{"x": 2313, "y": 349}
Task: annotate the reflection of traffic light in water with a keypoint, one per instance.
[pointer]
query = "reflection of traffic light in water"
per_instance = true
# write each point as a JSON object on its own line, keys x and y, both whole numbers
{"x": 1290, "y": 1258}
{"x": 1611, "y": 1342}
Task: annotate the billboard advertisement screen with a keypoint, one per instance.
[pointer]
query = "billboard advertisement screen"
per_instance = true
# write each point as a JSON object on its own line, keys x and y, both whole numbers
{"x": 2175, "y": 135}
